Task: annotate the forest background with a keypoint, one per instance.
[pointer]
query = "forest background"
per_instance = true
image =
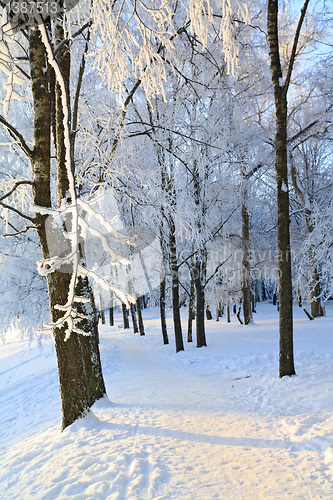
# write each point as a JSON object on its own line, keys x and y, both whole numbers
{"x": 174, "y": 153}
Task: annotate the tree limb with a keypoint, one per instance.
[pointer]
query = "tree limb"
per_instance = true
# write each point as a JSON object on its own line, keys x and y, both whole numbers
{"x": 16, "y": 185}
{"x": 253, "y": 171}
{"x": 19, "y": 232}
{"x": 17, "y": 136}
{"x": 78, "y": 89}
{"x": 27, "y": 217}
{"x": 296, "y": 39}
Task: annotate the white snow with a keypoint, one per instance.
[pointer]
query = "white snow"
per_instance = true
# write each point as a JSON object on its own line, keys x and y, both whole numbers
{"x": 282, "y": 82}
{"x": 207, "y": 423}
{"x": 284, "y": 187}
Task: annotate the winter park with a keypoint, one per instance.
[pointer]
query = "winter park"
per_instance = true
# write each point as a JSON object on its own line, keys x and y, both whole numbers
{"x": 166, "y": 250}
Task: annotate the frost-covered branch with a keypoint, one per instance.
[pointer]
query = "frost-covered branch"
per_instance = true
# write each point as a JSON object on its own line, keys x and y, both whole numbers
{"x": 17, "y": 212}
{"x": 17, "y": 233}
{"x": 78, "y": 87}
{"x": 129, "y": 36}
{"x": 296, "y": 39}
{"x": 16, "y": 185}
{"x": 19, "y": 139}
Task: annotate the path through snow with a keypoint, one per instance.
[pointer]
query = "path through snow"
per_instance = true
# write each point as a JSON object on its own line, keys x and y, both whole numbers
{"x": 180, "y": 426}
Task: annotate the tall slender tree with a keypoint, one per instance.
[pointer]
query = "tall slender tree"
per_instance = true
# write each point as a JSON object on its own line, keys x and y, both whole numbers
{"x": 281, "y": 85}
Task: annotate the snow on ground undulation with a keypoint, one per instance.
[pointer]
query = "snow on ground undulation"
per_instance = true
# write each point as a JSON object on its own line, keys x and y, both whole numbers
{"x": 209, "y": 423}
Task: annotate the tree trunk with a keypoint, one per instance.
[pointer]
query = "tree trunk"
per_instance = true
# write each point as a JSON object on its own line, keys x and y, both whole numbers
{"x": 315, "y": 295}
{"x": 246, "y": 274}
{"x": 111, "y": 316}
{"x": 79, "y": 367}
{"x": 175, "y": 286}
{"x": 286, "y": 356}
{"x": 162, "y": 300}
{"x": 228, "y": 313}
{"x": 101, "y": 310}
{"x": 140, "y": 319}
{"x": 134, "y": 320}
{"x": 80, "y": 377}
{"x": 191, "y": 314}
{"x": 125, "y": 316}
{"x": 200, "y": 304}
{"x": 89, "y": 343}
{"x": 238, "y": 314}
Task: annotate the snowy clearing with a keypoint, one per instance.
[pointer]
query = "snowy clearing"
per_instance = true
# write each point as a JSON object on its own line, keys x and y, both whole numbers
{"x": 206, "y": 423}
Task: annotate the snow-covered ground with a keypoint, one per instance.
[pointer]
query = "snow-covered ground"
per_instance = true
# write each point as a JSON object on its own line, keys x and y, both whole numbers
{"x": 207, "y": 423}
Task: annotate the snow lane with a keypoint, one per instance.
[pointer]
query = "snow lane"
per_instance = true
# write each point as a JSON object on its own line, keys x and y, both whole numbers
{"x": 183, "y": 426}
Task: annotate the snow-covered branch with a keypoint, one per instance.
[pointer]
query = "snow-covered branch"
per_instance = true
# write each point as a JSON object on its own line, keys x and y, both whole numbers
{"x": 19, "y": 139}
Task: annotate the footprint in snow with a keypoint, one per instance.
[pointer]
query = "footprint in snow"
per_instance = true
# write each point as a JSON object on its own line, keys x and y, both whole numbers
{"x": 140, "y": 476}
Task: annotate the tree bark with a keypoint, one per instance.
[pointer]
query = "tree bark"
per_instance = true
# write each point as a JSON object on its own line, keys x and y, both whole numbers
{"x": 246, "y": 274}
{"x": 286, "y": 356}
{"x": 200, "y": 304}
{"x": 89, "y": 343}
{"x": 228, "y": 313}
{"x": 80, "y": 378}
{"x": 134, "y": 320}
{"x": 219, "y": 312}
{"x": 140, "y": 319}
{"x": 175, "y": 285}
{"x": 191, "y": 314}
{"x": 101, "y": 310}
{"x": 125, "y": 316}
{"x": 163, "y": 290}
{"x": 315, "y": 294}
{"x": 111, "y": 316}
{"x": 199, "y": 268}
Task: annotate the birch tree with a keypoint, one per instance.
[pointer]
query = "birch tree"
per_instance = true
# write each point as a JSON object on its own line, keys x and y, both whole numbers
{"x": 281, "y": 84}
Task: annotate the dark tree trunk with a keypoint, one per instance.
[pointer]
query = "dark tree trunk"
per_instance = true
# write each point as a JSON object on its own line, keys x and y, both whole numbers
{"x": 125, "y": 316}
{"x": 166, "y": 191}
{"x": 175, "y": 286}
{"x": 74, "y": 397}
{"x": 162, "y": 301}
{"x": 228, "y": 313}
{"x": 140, "y": 319}
{"x": 286, "y": 356}
{"x": 191, "y": 314}
{"x": 246, "y": 275}
{"x": 80, "y": 373}
{"x": 111, "y": 316}
{"x": 200, "y": 305}
{"x": 199, "y": 267}
{"x": 134, "y": 320}
{"x": 315, "y": 294}
{"x": 274, "y": 301}
{"x": 238, "y": 314}
{"x": 90, "y": 343}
